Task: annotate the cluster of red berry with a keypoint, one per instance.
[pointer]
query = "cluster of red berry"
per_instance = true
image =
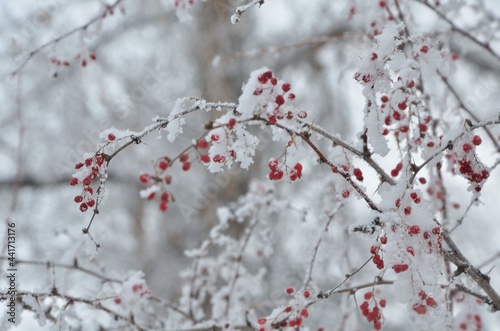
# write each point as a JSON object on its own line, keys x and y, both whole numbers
{"x": 90, "y": 169}
{"x": 160, "y": 179}
{"x": 469, "y": 167}
{"x": 293, "y": 320}
{"x": 270, "y": 83}
{"x": 374, "y": 315}
{"x": 425, "y": 302}
{"x": 277, "y": 174}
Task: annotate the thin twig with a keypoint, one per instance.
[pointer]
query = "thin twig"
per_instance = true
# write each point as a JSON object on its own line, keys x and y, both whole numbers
{"x": 63, "y": 36}
{"x": 308, "y": 278}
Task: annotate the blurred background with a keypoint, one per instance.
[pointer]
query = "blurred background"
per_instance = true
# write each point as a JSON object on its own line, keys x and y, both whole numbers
{"x": 146, "y": 58}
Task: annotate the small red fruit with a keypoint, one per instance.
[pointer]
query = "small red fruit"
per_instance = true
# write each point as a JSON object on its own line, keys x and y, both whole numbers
{"x": 290, "y": 290}
{"x": 144, "y": 178}
{"x": 186, "y": 166}
{"x": 83, "y": 207}
{"x": 286, "y": 87}
{"x": 414, "y": 229}
{"x": 73, "y": 181}
{"x": 477, "y": 140}
{"x": 384, "y": 99}
{"x": 424, "y": 49}
{"x": 202, "y": 143}
{"x": 111, "y": 137}
{"x": 163, "y": 164}
{"x": 280, "y": 100}
{"x": 205, "y": 158}
{"x": 184, "y": 157}
{"x": 231, "y": 123}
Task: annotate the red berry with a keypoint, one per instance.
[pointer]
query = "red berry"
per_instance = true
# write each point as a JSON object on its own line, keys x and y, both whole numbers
{"x": 87, "y": 181}
{"x": 88, "y": 162}
{"x": 186, "y": 166}
{"x": 382, "y": 4}
{"x": 467, "y": 148}
{"x": 400, "y": 268}
{"x": 214, "y": 137}
{"x": 73, "y": 181}
{"x": 202, "y": 143}
{"x": 91, "y": 203}
{"x": 92, "y": 56}
{"x": 291, "y": 96}
{"x": 422, "y": 127}
{"x": 383, "y": 240}
{"x": 414, "y": 229}
{"x": 477, "y": 140}
{"x": 383, "y": 303}
{"x": 261, "y": 321}
{"x": 298, "y": 167}
{"x": 407, "y": 210}
{"x": 431, "y": 302}
{"x": 422, "y": 180}
{"x": 290, "y": 290}
{"x": 151, "y": 196}
{"x": 280, "y": 100}
{"x": 304, "y": 313}
{"x": 274, "y": 81}
{"x": 384, "y": 99}
{"x": 286, "y": 87}
{"x": 163, "y": 164}
{"x": 420, "y": 309}
{"x": 83, "y": 207}
{"x": 402, "y": 105}
{"x": 394, "y": 172}
{"x": 89, "y": 190}
{"x": 424, "y": 49}
{"x": 118, "y": 301}
{"x": 78, "y": 165}
{"x": 111, "y": 137}
{"x": 302, "y": 114}
{"x": 374, "y": 56}
{"x": 205, "y": 158}
{"x": 396, "y": 115}
{"x": 345, "y": 194}
{"x": 184, "y": 157}
{"x": 78, "y": 199}
{"x": 84, "y": 63}
{"x": 231, "y": 123}
{"x": 410, "y": 84}
{"x": 454, "y": 56}
{"x": 368, "y": 295}
{"x": 307, "y": 294}
{"x": 257, "y": 91}
{"x": 144, "y": 178}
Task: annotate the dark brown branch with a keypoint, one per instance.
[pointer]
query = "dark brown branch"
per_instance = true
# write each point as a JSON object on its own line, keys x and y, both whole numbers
{"x": 464, "y": 266}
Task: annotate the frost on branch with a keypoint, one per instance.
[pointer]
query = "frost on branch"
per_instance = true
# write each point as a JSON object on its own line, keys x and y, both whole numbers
{"x": 231, "y": 279}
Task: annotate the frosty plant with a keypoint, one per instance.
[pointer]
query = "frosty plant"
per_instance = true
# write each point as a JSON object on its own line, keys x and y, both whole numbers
{"x": 411, "y": 145}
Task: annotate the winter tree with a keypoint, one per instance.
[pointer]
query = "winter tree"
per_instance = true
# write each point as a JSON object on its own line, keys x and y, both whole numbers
{"x": 250, "y": 165}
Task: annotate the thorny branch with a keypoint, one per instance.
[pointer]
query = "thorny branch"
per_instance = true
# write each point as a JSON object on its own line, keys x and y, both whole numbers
{"x": 464, "y": 266}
